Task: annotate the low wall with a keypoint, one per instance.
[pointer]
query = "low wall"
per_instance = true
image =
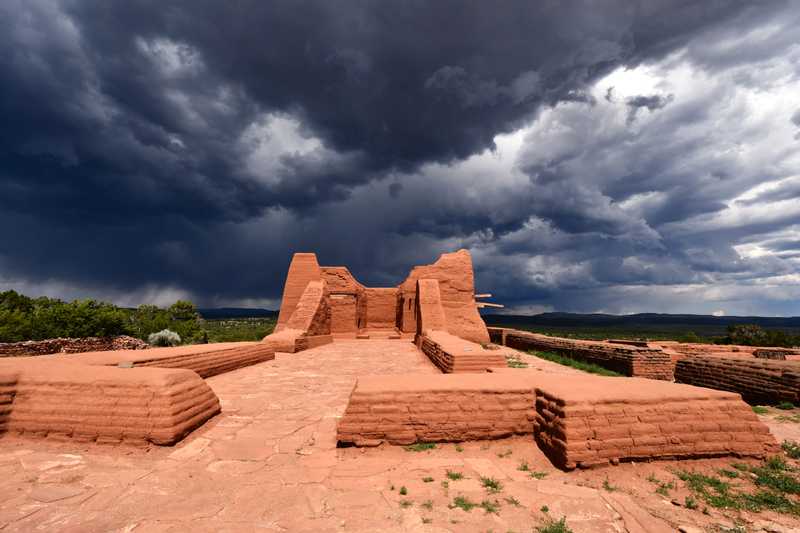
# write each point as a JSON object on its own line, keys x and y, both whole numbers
{"x": 759, "y": 381}
{"x": 61, "y": 401}
{"x": 584, "y": 421}
{"x": 66, "y": 345}
{"x": 436, "y": 408}
{"x": 453, "y": 354}
{"x": 136, "y": 396}
{"x": 577, "y": 420}
{"x": 629, "y": 360}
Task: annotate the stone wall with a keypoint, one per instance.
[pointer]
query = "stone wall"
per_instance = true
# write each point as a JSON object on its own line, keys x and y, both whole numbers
{"x": 759, "y": 381}
{"x": 628, "y": 360}
{"x": 65, "y": 345}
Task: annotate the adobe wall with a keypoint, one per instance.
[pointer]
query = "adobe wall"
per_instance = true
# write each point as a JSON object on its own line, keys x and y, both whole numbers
{"x": 302, "y": 270}
{"x": 585, "y": 421}
{"x": 381, "y": 307}
{"x": 68, "y": 345}
{"x": 759, "y": 381}
{"x": 456, "y": 280}
{"x": 577, "y": 420}
{"x": 435, "y": 408}
{"x": 60, "y": 400}
{"x": 629, "y": 360}
{"x": 454, "y": 355}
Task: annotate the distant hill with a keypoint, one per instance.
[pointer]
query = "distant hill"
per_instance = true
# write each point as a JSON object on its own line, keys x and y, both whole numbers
{"x": 656, "y": 319}
{"x": 643, "y": 325}
{"x": 236, "y": 312}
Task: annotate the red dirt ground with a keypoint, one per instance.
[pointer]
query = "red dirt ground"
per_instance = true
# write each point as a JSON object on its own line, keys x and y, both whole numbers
{"x": 269, "y": 462}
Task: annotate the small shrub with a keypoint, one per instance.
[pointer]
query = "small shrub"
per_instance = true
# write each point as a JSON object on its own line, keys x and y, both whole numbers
{"x": 427, "y": 520}
{"x": 445, "y": 485}
{"x": 538, "y": 475}
{"x": 459, "y": 449}
{"x": 427, "y": 480}
{"x": 760, "y": 410}
{"x": 791, "y": 448}
{"x": 164, "y": 337}
{"x": 733, "y": 474}
{"x": 490, "y": 507}
{"x": 403, "y": 491}
{"x": 405, "y": 504}
{"x": 463, "y": 503}
{"x": 608, "y": 486}
{"x": 504, "y": 454}
{"x": 523, "y": 466}
{"x": 786, "y": 406}
{"x": 544, "y": 509}
{"x": 690, "y": 502}
{"x": 555, "y": 526}
{"x": 491, "y": 485}
{"x": 427, "y": 504}
{"x": 513, "y": 501}
{"x": 455, "y": 476}
{"x": 420, "y": 447}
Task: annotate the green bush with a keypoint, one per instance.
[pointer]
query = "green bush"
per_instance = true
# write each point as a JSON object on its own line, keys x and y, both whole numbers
{"x": 23, "y": 318}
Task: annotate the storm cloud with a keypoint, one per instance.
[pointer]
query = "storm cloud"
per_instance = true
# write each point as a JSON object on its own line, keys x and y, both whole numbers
{"x": 594, "y": 157}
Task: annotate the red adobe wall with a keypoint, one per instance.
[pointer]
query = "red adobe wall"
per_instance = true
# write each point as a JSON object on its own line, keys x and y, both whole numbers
{"x": 629, "y": 360}
{"x": 456, "y": 280}
{"x": 303, "y": 269}
{"x": 381, "y": 307}
{"x": 577, "y": 420}
{"x": 759, "y": 381}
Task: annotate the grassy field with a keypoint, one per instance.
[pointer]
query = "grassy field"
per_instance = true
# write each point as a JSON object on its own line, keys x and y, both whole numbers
{"x": 701, "y": 334}
{"x": 238, "y": 329}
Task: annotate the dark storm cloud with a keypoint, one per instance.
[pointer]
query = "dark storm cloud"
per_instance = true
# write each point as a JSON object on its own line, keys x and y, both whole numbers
{"x": 196, "y": 144}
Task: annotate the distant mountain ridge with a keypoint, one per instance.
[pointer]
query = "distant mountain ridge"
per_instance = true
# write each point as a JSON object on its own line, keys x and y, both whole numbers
{"x": 236, "y": 312}
{"x": 687, "y": 320}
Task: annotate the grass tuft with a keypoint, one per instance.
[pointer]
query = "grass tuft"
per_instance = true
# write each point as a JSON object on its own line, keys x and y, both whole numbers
{"x": 555, "y": 526}
{"x": 574, "y": 363}
{"x": 492, "y": 507}
{"x": 427, "y": 504}
{"x": 760, "y": 410}
{"x": 455, "y": 476}
{"x": 511, "y": 500}
{"x": 791, "y": 448}
{"x": 427, "y": 479}
{"x": 491, "y": 485}
{"x": 463, "y": 503}
{"x": 420, "y": 447}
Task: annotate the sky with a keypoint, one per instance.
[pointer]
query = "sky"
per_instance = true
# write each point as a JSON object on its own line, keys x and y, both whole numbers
{"x": 604, "y": 156}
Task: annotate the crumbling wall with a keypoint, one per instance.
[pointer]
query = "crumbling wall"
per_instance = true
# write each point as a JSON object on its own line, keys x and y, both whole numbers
{"x": 759, "y": 381}
{"x": 67, "y": 345}
{"x": 457, "y": 292}
{"x": 453, "y": 354}
{"x": 302, "y": 270}
{"x": 634, "y": 361}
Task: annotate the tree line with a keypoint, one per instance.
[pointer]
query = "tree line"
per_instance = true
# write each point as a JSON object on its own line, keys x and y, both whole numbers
{"x": 23, "y": 318}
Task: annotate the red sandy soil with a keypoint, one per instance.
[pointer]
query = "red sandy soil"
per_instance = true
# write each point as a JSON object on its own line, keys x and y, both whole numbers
{"x": 269, "y": 462}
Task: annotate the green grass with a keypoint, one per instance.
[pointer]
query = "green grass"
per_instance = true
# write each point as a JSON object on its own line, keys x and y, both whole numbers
{"x": 238, "y": 329}
{"x": 511, "y": 500}
{"x": 427, "y": 479}
{"x": 491, "y": 485}
{"x": 786, "y": 406}
{"x": 427, "y": 504}
{"x": 760, "y": 410}
{"x": 463, "y": 503}
{"x": 455, "y": 476}
{"x": 789, "y": 418}
{"x": 405, "y": 504}
{"x": 538, "y": 475}
{"x": 791, "y": 448}
{"x": 490, "y": 507}
{"x": 690, "y": 503}
{"x": 608, "y": 486}
{"x": 459, "y": 448}
{"x": 772, "y": 479}
{"x": 662, "y": 488}
{"x": 420, "y": 447}
{"x": 555, "y": 526}
{"x": 515, "y": 362}
{"x": 574, "y": 363}
{"x": 523, "y": 466}
{"x": 403, "y": 491}
{"x": 728, "y": 473}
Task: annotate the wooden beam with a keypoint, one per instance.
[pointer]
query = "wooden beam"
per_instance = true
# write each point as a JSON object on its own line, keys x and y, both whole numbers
{"x": 487, "y": 295}
{"x": 487, "y": 304}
